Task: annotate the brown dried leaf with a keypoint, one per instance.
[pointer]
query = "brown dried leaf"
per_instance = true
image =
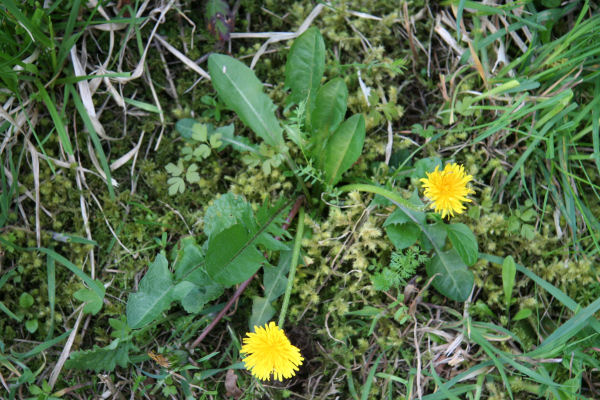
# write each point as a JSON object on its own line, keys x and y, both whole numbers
{"x": 231, "y": 385}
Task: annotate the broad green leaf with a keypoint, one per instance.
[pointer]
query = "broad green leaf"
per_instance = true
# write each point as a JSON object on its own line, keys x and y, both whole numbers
{"x": 400, "y": 217}
{"x": 154, "y": 296}
{"x": 185, "y": 127}
{"x": 272, "y": 218}
{"x": 275, "y": 278}
{"x": 436, "y": 231}
{"x": 196, "y": 287}
{"x": 92, "y": 299}
{"x": 343, "y": 148}
{"x": 226, "y": 211}
{"x": 397, "y": 217}
{"x": 403, "y": 235}
{"x": 328, "y": 111}
{"x": 262, "y": 312}
{"x": 188, "y": 256}
{"x": 464, "y": 241}
{"x": 232, "y": 257}
{"x": 425, "y": 165}
{"x": 242, "y": 92}
{"x": 101, "y": 359}
{"x": 197, "y": 298}
{"x": 509, "y": 271}
{"x": 274, "y": 281}
{"x": 454, "y": 281}
{"x": 182, "y": 289}
{"x": 305, "y": 66}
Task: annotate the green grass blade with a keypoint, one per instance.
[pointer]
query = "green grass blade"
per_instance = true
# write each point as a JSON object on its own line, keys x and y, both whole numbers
{"x": 367, "y": 386}
{"x": 58, "y": 121}
{"x": 42, "y": 346}
{"x": 567, "y": 330}
{"x": 51, "y": 275}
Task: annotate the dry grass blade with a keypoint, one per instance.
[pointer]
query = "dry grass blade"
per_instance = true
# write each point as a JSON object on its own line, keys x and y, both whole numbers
{"x": 189, "y": 63}
{"x": 86, "y": 95}
{"x": 66, "y": 351}
{"x": 35, "y": 170}
{"x": 279, "y": 36}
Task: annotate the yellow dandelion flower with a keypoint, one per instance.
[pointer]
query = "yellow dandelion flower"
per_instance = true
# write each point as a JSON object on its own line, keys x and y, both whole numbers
{"x": 269, "y": 351}
{"x": 448, "y": 189}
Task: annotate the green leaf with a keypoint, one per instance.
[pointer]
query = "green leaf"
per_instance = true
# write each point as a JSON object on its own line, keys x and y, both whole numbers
{"x": 436, "y": 231}
{"x": 202, "y": 151}
{"x": 522, "y": 314}
{"x": 528, "y": 231}
{"x": 226, "y": 211}
{"x": 262, "y": 312}
{"x": 425, "y": 165}
{"x": 343, "y": 148}
{"x": 182, "y": 289}
{"x": 239, "y": 143}
{"x": 176, "y": 184}
{"x": 192, "y": 175}
{"x": 25, "y": 300}
{"x": 509, "y": 271}
{"x": 403, "y": 235}
{"x": 215, "y": 140}
{"x": 92, "y": 299}
{"x": 154, "y": 296}
{"x": 120, "y": 330}
{"x": 464, "y": 241}
{"x": 274, "y": 281}
{"x": 199, "y": 132}
{"x": 242, "y": 92}
{"x": 188, "y": 257}
{"x": 327, "y": 113}
{"x": 305, "y": 66}
{"x": 190, "y": 269}
{"x": 232, "y": 257}
{"x": 275, "y": 278}
{"x": 187, "y": 127}
{"x": 454, "y": 281}
{"x": 31, "y": 325}
{"x": 101, "y": 358}
{"x": 400, "y": 217}
{"x": 385, "y": 280}
{"x": 397, "y": 217}
{"x": 173, "y": 169}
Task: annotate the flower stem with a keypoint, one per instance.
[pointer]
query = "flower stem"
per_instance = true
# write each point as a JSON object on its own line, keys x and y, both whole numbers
{"x": 292, "y": 273}
{"x": 394, "y": 197}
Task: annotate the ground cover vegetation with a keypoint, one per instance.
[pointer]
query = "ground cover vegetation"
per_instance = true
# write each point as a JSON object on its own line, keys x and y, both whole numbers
{"x": 293, "y": 199}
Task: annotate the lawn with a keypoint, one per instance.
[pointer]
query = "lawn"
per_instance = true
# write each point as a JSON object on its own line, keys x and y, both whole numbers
{"x": 353, "y": 199}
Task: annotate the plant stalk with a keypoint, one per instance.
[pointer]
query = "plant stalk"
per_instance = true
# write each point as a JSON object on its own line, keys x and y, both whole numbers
{"x": 292, "y": 273}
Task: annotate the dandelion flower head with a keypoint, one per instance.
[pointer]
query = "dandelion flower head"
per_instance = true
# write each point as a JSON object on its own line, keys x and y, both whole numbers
{"x": 448, "y": 189}
{"x": 269, "y": 351}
